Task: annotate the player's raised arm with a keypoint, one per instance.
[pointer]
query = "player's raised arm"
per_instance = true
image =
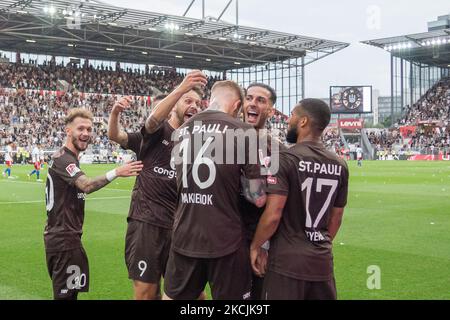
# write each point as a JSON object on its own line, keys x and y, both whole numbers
{"x": 160, "y": 113}
{"x": 115, "y": 133}
{"x": 89, "y": 185}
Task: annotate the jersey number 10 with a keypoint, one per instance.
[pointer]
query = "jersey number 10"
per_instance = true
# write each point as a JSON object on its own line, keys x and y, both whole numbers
{"x": 49, "y": 194}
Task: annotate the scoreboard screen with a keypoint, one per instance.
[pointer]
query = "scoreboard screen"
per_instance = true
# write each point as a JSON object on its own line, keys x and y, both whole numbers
{"x": 351, "y": 99}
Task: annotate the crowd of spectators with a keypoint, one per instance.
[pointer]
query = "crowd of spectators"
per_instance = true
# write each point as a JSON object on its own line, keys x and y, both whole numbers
{"x": 332, "y": 140}
{"x": 34, "y": 100}
{"x": 433, "y": 106}
{"x": 432, "y": 140}
{"x": 384, "y": 138}
{"x": 429, "y": 117}
{"x": 88, "y": 79}
{"x": 278, "y": 120}
{"x": 29, "y": 118}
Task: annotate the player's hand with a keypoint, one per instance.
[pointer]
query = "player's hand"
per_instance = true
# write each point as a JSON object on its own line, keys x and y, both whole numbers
{"x": 130, "y": 169}
{"x": 195, "y": 78}
{"x": 122, "y": 104}
{"x": 261, "y": 261}
{"x": 254, "y": 253}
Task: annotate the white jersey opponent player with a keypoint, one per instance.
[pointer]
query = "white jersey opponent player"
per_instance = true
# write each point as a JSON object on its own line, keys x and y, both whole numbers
{"x": 8, "y": 161}
{"x": 359, "y": 155}
{"x": 35, "y": 153}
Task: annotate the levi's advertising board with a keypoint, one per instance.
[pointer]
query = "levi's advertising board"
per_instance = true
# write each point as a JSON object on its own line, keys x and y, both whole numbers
{"x": 351, "y": 123}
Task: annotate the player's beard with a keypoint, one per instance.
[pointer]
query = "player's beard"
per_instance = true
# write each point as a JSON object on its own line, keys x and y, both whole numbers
{"x": 77, "y": 146}
{"x": 179, "y": 115}
{"x": 292, "y": 135}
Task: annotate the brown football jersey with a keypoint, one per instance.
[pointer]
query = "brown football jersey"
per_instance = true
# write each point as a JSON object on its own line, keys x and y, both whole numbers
{"x": 314, "y": 181}
{"x": 250, "y": 212}
{"x": 208, "y": 221}
{"x": 154, "y": 194}
{"x": 64, "y": 203}
{"x": 134, "y": 142}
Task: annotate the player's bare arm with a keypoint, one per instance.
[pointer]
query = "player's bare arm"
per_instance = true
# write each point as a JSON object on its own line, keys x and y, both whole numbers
{"x": 335, "y": 221}
{"x": 261, "y": 261}
{"x": 254, "y": 191}
{"x": 268, "y": 224}
{"x": 89, "y": 185}
{"x": 161, "y": 111}
{"x": 115, "y": 133}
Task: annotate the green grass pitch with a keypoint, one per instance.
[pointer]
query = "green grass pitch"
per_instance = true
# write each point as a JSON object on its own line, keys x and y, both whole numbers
{"x": 397, "y": 218}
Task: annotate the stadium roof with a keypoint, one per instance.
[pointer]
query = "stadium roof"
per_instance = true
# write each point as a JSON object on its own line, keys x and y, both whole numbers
{"x": 95, "y": 30}
{"x": 431, "y": 48}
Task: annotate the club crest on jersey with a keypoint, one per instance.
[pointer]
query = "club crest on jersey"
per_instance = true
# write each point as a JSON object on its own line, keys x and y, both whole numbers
{"x": 72, "y": 169}
{"x": 272, "y": 180}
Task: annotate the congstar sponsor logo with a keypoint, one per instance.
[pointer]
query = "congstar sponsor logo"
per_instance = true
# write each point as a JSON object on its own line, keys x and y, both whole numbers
{"x": 165, "y": 172}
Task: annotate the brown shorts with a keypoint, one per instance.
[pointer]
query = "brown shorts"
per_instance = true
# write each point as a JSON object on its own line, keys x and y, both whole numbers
{"x": 146, "y": 251}
{"x": 280, "y": 287}
{"x": 69, "y": 271}
{"x": 229, "y": 276}
{"x": 257, "y": 287}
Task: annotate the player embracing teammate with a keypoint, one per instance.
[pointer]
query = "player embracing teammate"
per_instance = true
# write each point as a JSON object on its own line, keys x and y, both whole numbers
{"x": 154, "y": 196}
{"x": 212, "y": 228}
{"x": 305, "y": 205}
{"x": 202, "y": 209}
{"x": 214, "y": 162}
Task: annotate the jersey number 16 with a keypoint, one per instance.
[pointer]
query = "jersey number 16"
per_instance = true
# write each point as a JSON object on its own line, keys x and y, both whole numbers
{"x": 199, "y": 159}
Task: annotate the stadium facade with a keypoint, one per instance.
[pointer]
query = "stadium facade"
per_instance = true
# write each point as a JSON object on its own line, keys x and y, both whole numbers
{"x": 418, "y": 61}
{"x": 97, "y": 31}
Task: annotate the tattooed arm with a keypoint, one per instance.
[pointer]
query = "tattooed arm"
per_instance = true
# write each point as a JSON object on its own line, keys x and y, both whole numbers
{"x": 89, "y": 185}
{"x": 254, "y": 191}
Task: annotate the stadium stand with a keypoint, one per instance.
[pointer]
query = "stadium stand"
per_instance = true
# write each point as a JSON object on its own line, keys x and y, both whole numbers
{"x": 423, "y": 129}
{"x": 333, "y": 141}
{"x": 32, "y": 108}
{"x": 433, "y": 106}
{"x": 29, "y": 97}
{"x": 88, "y": 79}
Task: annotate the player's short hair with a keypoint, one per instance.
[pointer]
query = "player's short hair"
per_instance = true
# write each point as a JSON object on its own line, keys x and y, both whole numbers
{"x": 229, "y": 84}
{"x": 78, "y": 113}
{"x": 273, "y": 94}
{"x": 318, "y": 111}
{"x": 198, "y": 91}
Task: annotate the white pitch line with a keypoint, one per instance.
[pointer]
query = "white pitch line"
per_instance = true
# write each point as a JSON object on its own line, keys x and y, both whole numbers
{"x": 40, "y": 201}
{"x": 43, "y": 184}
